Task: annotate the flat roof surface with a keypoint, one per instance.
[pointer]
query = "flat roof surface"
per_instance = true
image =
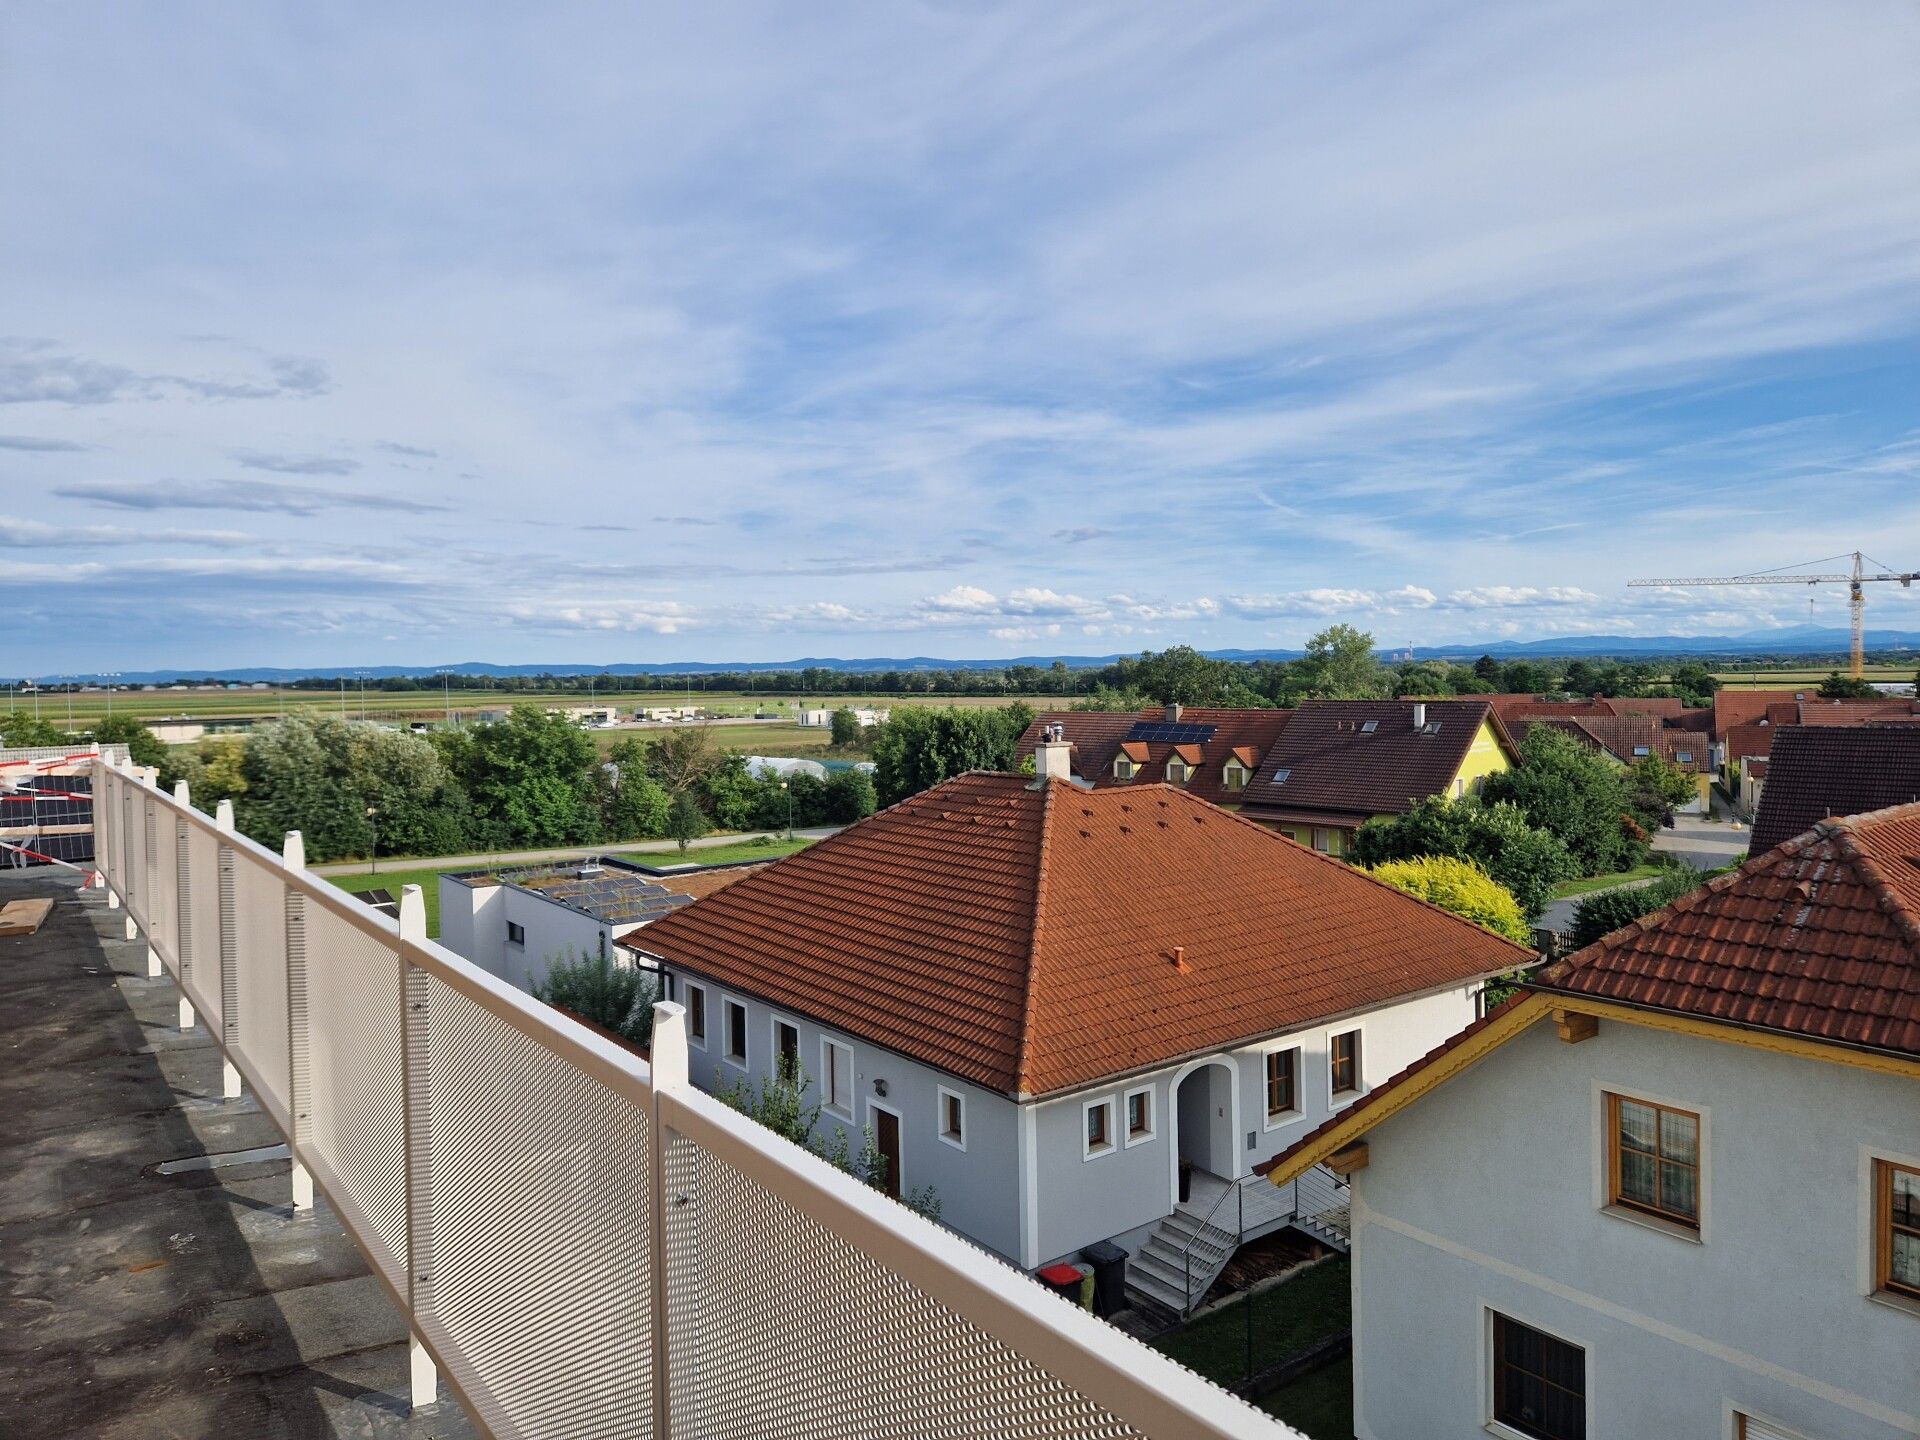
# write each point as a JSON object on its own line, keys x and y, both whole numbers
{"x": 147, "y": 1301}
{"x": 617, "y": 893}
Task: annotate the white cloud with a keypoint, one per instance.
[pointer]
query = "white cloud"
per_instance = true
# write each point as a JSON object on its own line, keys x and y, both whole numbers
{"x": 1510, "y": 597}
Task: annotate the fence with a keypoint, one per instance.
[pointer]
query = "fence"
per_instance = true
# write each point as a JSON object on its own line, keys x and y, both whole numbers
{"x": 581, "y": 1243}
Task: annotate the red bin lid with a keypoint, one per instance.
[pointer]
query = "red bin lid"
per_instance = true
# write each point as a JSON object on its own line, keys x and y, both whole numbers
{"x": 1062, "y": 1274}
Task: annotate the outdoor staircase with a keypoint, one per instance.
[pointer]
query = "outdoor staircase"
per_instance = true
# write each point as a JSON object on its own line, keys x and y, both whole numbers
{"x": 1180, "y": 1260}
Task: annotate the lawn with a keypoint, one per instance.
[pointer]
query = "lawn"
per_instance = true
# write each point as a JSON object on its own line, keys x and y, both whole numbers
{"x": 1567, "y": 889}
{"x": 1286, "y": 1319}
{"x": 1319, "y": 1404}
{"x": 722, "y": 854}
{"x": 427, "y": 880}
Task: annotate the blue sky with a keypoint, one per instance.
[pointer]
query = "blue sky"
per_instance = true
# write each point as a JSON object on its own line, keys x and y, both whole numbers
{"x": 369, "y": 334}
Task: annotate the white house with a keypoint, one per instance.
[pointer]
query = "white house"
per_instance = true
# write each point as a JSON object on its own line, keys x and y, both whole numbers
{"x": 1673, "y": 1189}
{"x": 820, "y": 717}
{"x": 1048, "y": 1002}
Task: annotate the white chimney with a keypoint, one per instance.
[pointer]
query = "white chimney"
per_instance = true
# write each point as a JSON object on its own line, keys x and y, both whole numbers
{"x": 1173, "y": 713}
{"x": 1053, "y": 756}
{"x": 1419, "y": 714}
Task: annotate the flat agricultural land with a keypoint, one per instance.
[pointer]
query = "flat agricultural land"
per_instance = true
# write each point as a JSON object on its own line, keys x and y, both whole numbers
{"x": 1789, "y": 679}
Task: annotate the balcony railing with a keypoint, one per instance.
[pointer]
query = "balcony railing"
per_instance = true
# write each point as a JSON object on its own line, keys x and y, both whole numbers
{"x": 582, "y": 1244}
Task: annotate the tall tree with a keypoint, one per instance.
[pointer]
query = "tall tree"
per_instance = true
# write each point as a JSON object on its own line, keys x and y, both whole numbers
{"x": 1339, "y": 665}
{"x": 921, "y": 746}
{"x": 530, "y": 777}
{"x": 1575, "y": 793}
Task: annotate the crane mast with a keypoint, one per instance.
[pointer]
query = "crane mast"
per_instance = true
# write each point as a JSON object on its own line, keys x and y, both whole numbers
{"x": 1855, "y": 579}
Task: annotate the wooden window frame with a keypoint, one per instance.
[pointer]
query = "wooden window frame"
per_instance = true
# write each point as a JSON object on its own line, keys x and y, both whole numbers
{"x": 1885, "y": 1227}
{"x": 1357, "y": 1060}
{"x": 1697, "y": 1165}
{"x": 696, "y": 1015}
{"x": 1291, "y": 1053}
{"x": 1143, "y": 1093}
{"x": 1092, "y": 1149}
{"x": 1497, "y": 1321}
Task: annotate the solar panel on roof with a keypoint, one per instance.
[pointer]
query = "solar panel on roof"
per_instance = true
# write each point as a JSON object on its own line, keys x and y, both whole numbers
{"x": 1164, "y": 732}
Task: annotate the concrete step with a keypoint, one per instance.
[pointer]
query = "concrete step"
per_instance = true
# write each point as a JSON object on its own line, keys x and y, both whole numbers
{"x": 1156, "y": 1293}
{"x": 1166, "y": 1270}
{"x": 1186, "y": 1229}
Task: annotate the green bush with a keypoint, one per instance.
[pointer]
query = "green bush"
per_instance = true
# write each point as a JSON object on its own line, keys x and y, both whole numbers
{"x": 1602, "y": 913}
{"x": 614, "y": 997}
{"x": 1461, "y": 887}
{"x": 1498, "y": 838}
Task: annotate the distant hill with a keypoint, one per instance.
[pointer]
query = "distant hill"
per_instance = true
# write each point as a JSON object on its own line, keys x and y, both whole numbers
{"x": 1801, "y": 642}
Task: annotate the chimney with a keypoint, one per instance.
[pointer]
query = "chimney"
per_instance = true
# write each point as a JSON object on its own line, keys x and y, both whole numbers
{"x": 1173, "y": 713}
{"x": 1419, "y": 714}
{"x": 1052, "y": 757}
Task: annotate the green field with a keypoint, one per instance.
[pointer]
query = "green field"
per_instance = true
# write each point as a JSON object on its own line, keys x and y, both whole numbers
{"x": 1790, "y": 679}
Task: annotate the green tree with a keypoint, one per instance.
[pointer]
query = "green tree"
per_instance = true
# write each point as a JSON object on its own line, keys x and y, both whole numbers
{"x": 1843, "y": 687}
{"x": 1339, "y": 665}
{"x": 734, "y": 796}
{"x": 1520, "y": 856}
{"x": 322, "y": 776}
{"x": 1576, "y": 794}
{"x": 1106, "y": 698}
{"x": 1694, "y": 683}
{"x": 531, "y": 778}
{"x": 1607, "y": 910}
{"x": 614, "y": 997}
{"x": 633, "y": 805}
{"x": 921, "y": 746}
{"x": 681, "y": 759}
{"x": 849, "y": 797}
{"x": 18, "y": 728}
{"x": 846, "y": 729}
{"x": 141, "y": 742}
{"x": 686, "y": 822}
{"x": 1181, "y": 675}
{"x": 1655, "y": 788}
{"x": 1461, "y": 887}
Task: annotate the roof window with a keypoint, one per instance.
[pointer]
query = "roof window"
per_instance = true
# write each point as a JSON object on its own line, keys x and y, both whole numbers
{"x": 1367, "y": 727}
{"x": 1280, "y": 775}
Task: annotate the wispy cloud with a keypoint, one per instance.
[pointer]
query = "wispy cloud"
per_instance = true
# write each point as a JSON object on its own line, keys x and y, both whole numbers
{"x": 257, "y": 495}
{"x": 296, "y": 464}
{"x": 35, "y": 444}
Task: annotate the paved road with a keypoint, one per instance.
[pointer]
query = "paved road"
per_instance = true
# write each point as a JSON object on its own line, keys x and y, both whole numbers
{"x": 578, "y": 852}
{"x": 1705, "y": 844}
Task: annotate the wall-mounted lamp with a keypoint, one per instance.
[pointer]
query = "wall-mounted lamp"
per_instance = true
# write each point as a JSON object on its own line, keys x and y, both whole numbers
{"x": 879, "y": 1087}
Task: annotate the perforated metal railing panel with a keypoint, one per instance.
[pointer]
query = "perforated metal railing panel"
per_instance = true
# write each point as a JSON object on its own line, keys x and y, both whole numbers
{"x": 359, "y": 1113}
{"x": 539, "y": 1183}
{"x": 777, "y": 1326}
{"x": 163, "y": 933}
{"x": 201, "y": 978}
{"x": 260, "y": 909}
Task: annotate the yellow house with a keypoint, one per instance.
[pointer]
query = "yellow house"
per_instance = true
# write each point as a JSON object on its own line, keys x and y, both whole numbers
{"x": 1340, "y": 763}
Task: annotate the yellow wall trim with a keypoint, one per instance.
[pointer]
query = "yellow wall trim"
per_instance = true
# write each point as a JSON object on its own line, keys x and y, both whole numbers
{"x": 1794, "y": 1045}
{"x": 1363, "y": 1117}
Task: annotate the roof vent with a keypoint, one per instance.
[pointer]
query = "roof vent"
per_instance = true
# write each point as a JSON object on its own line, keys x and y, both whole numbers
{"x": 589, "y": 870}
{"x": 1419, "y": 714}
{"x": 1179, "y": 958}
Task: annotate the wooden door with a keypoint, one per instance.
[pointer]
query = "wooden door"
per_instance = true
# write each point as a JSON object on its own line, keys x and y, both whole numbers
{"x": 886, "y": 1135}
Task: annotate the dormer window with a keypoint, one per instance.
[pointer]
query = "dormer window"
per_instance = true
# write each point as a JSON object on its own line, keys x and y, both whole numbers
{"x": 1123, "y": 768}
{"x": 1178, "y": 770}
{"x": 1236, "y": 776}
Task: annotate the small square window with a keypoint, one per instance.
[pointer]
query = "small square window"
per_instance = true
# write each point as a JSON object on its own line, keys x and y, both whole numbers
{"x": 1123, "y": 769}
{"x": 516, "y": 934}
{"x": 1343, "y": 1062}
{"x": 1099, "y": 1126}
{"x": 1539, "y": 1382}
{"x": 1177, "y": 771}
{"x": 953, "y": 1118}
{"x": 1684, "y": 757}
{"x": 1367, "y": 727}
{"x": 1280, "y": 776}
{"x": 1641, "y": 751}
{"x": 736, "y": 1032}
{"x": 697, "y": 1015}
{"x": 1139, "y": 1115}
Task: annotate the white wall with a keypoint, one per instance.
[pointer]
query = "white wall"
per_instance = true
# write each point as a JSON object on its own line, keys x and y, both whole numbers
{"x": 474, "y": 920}
{"x": 1488, "y": 1193}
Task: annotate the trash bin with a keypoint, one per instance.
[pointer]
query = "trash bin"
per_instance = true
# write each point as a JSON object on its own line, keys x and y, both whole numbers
{"x": 1109, "y": 1264}
{"x": 1064, "y": 1280}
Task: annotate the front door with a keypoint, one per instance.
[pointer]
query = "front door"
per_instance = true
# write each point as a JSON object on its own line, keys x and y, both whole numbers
{"x": 886, "y": 1135}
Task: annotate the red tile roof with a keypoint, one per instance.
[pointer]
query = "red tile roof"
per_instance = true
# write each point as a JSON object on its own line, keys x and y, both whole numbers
{"x": 1330, "y": 768}
{"x": 1817, "y": 772}
{"x": 1023, "y": 938}
{"x": 1631, "y": 737}
{"x": 1098, "y": 736}
{"x": 1818, "y": 937}
{"x": 1744, "y": 707}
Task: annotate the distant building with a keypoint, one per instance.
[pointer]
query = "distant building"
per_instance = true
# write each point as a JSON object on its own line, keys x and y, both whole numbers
{"x": 816, "y": 717}
{"x": 784, "y": 766}
{"x": 670, "y": 714}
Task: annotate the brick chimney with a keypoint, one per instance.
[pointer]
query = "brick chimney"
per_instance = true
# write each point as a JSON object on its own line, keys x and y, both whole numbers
{"x": 1053, "y": 756}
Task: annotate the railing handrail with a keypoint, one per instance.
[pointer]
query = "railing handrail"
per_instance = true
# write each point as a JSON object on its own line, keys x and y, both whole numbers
{"x": 1138, "y": 1386}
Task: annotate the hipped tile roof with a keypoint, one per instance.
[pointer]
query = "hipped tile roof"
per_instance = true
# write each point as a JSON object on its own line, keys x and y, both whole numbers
{"x": 1818, "y": 937}
{"x": 1023, "y": 936}
{"x": 1818, "y": 772}
{"x": 1098, "y": 736}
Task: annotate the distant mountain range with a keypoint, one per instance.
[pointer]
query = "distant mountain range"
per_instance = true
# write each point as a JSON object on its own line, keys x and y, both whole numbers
{"x": 1793, "y": 643}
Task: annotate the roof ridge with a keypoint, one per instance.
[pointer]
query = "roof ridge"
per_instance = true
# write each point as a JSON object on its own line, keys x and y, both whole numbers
{"x": 1021, "y": 1081}
{"x": 1845, "y": 837}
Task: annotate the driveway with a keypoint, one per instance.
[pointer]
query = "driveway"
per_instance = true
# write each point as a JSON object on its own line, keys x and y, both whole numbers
{"x": 1704, "y": 844}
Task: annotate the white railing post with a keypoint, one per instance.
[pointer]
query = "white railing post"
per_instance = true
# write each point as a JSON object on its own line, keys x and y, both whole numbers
{"x": 184, "y": 940}
{"x": 667, "y": 1060}
{"x": 424, "y": 1376}
{"x": 293, "y": 858}
{"x": 229, "y": 957}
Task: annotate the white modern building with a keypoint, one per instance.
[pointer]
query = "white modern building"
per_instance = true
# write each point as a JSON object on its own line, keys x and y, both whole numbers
{"x": 1673, "y": 1189}
{"x": 1076, "y": 1015}
{"x": 820, "y": 717}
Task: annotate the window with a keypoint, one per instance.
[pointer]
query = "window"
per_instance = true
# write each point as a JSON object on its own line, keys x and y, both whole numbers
{"x": 1343, "y": 1062}
{"x": 953, "y": 1118}
{"x": 1283, "y": 1073}
{"x": 836, "y": 1077}
{"x": 1099, "y": 1123}
{"x": 1236, "y": 775}
{"x": 1750, "y": 1427}
{"x": 1897, "y": 1226}
{"x": 1280, "y": 775}
{"x": 1139, "y": 1108}
{"x": 1323, "y": 841}
{"x": 1684, "y": 757}
{"x": 1367, "y": 727}
{"x": 736, "y": 1032}
{"x": 1123, "y": 769}
{"x": 697, "y": 1015}
{"x": 786, "y": 1046}
{"x": 516, "y": 934}
{"x": 1640, "y": 752}
{"x": 1539, "y": 1382}
{"x": 1655, "y": 1159}
{"x": 1178, "y": 770}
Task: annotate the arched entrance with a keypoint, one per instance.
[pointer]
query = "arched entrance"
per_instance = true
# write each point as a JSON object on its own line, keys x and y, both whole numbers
{"x": 1205, "y": 1117}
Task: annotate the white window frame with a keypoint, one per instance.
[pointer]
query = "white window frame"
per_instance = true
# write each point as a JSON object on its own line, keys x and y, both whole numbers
{"x": 1280, "y": 1119}
{"x": 1630, "y": 1089}
{"x": 698, "y": 1042}
{"x": 1226, "y": 777}
{"x": 827, "y": 1047}
{"x": 727, "y": 1006}
{"x": 1487, "y": 1311}
{"x": 1153, "y": 1117}
{"x": 1339, "y": 1100}
{"x": 1186, "y": 771}
{"x": 773, "y": 1034}
{"x": 1088, "y": 1151}
{"x": 946, "y": 1093}
{"x": 1124, "y": 768}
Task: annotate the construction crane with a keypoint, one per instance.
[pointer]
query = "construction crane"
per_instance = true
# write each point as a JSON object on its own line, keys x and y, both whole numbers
{"x": 1853, "y": 580}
